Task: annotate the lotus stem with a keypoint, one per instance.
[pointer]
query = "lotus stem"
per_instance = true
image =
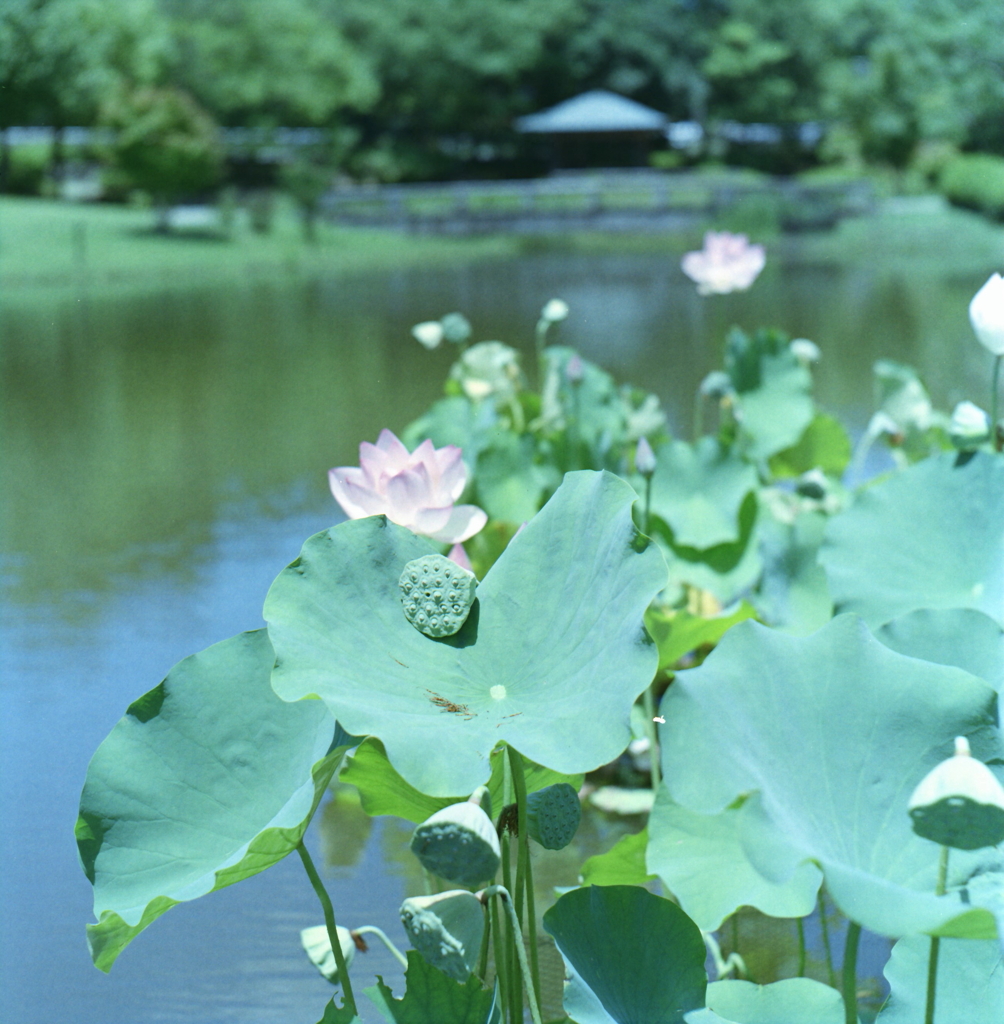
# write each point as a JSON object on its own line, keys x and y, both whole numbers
{"x": 932, "y": 960}
{"x": 524, "y": 871}
{"x": 723, "y": 965}
{"x": 825, "y": 928}
{"x": 371, "y": 929}
{"x": 485, "y": 939}
{"x": 698, "y": 414}
{"x": 648, "y": 698}
{"x": 329, "y": 923}
{"x": 512, "y": 977}
{"x": 801, "y": 946}
{"x": 994, "y": 394}
{"x": 850, "y": 973}
{"x": 498, "y": 945}
{"x": 503, "y": 895}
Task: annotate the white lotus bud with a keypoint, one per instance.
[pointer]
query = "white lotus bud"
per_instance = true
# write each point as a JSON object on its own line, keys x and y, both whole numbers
{"x": 717, "y": 384}
{"x": 969, "y": 426}
{"x": 986, "y": 314}
{"x": 456, "y": 328}
{"x": 805, "y": 351}
{"x": 458, "y": 843}
{"x": 554, "y": 310}
{"x": 644, "y": 457}
{"x": 959, "y": 803}
{"x": 446, "y": 929}
{"x": 318, "y": 947}
{"x": 437, "y": 594}
{"x": 429, "y": 333}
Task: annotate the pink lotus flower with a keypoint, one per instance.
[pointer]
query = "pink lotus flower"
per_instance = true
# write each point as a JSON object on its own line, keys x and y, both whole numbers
{"x": 415, "y": 490}
{"x": 727, "y": 263}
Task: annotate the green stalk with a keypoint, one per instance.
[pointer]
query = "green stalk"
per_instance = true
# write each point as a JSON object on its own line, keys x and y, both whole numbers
{"x": 485, "y": 940}
{"x": 801, "y": 947}
{"x": 648, "y": 698}
{"x": 512, "y": 978}
{"x": 329, "y": 923}
{"x": 994, "y": 391}
{"x": 540, "y": 337}
{"x": 524, "y": 872}
{"x": 850, "y": 985}
{"x": 503, "y": 895}
{"x": 824, "y": 926}
{"x": 498, "y": 945}
{"x": 932, "y": 960}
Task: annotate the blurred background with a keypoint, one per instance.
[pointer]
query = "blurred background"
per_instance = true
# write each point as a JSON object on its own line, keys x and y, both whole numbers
{"x": 219, "y": 220}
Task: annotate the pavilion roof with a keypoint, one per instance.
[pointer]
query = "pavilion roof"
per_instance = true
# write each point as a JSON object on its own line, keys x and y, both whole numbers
{"x": 594, "y": 111}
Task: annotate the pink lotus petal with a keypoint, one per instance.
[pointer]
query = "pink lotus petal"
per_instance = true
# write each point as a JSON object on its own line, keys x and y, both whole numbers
{"x": 374, "y": 462}
{"x": 397, "y": 457}
{"x": 348, "y": 485}
{"x": 408, "y": 493}
{"x": 459, "y": 555}
{"x": 452, "y": 471}
{"x": 464, "y": 522}
{"x": 429, "y": 521}
{"x": 727, "y": 263}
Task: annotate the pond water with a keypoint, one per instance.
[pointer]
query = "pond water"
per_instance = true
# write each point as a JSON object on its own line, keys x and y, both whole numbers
{"x": 165, "y": 456}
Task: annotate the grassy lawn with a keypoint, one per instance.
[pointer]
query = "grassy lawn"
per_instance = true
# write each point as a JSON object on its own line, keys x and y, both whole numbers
{"x": 46, "y": 244}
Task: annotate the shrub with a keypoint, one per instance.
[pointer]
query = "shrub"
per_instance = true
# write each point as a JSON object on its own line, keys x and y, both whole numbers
{"x": 976, "y": 181}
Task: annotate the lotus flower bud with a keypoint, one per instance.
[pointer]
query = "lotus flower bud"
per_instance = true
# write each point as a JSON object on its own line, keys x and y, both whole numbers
{"x": 554, "y": 310}
{"x": 959, "y": 803}
{"x": 429, "y": 333}
{"x": 575, "y": 370}
{"x": 717, "y": 384}
{"x": 456, "y": 328}
{"x": 437, "y": 594}
{"x": 644, "y": 457}
{"x": 318, "y": 947}
{"x": 813, "y": 484}
{"x": 986, "y": 314}
{"x": 458, "y": 843}
{"x": 553, "y": 814}
{"x": 446, "y": 929}
{"x": 805, "y": 351}
{"x": 969, "y": 427}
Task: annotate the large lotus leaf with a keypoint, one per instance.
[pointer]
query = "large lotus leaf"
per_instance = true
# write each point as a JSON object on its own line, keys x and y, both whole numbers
{"x": 631, "y": 957}
{"x": 698, "y": 490}
{"x": 383, "y": 791}
{"x": 793, "y": 595}
{"x": 773, "y": 416}
{"x": 702, "y": 862}
{"x": 792, "y": 1001}
{"x": 830, "y": 733}
{"x": 955, "y": 636}
{"x": 622, "y": 864}
{"x": 931, "y": 536}
{"x": 510, "y": 487}
{"x": 432, "y": 997}
{"x": 678, "y": 632}
{"x": 554, "y": 647}
{"x": 208, "y": 779}
{"x": 970, "y": 985}
{"x": 824, "y": 445}
{"x": 458, "y": 421}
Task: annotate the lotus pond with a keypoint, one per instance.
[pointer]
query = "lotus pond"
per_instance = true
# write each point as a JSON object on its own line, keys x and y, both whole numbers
{"x": 702, "y": 574}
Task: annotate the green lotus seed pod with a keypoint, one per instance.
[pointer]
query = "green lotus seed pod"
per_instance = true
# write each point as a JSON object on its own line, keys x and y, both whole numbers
{"x": 459, "y": 844}
{"x": 553, "y": 814}
{"x": 959, "y": 803}
{"x": 318, "y": 947}
{"x": 437, "y": 595}
{"x": 446, "y": 929}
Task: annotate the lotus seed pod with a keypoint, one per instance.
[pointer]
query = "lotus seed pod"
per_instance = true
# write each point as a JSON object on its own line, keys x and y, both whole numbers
{"x": 458, "y": 843}
{"x": 959, "y": 803}
{"x": 553, "y": 814}
{"x": 437, "y": 595}
{"x": 318, "y": 947}
{"x": 446, "y": 929}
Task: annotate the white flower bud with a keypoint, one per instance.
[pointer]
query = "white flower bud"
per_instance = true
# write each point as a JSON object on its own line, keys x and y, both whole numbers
{"x": 644, "y": 457}
{"x": 959, "y": 803}
{"x": 805, "y": 351}
{"x": 969, "y": 426}
{"x": 429, "y": 333}
{"x": 986, "y": 314}
{"x": 554, "y": 310}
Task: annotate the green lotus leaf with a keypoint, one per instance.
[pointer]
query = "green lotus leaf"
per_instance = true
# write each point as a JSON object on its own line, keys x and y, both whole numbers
{"x": 554, "y": 646}
{"x": 792, "y": 1001}
{"x": 208, "y": 779}
{"x": 774, "y": 415}
{"x": 383, "y": 791}
{"x": 830, "y": 734}
{"x": 824, "y": 445}
{"x": 622, "y": 864}
{"x": 629, "y": 956}
{"x": 510, "y": 487}
{"x": 924, "y": 538}
{"x": 455, "y": 420}
{"x": 701, "y": 860}
{"x": 432, "y": 997}
{"x": 961, "y": 637}
{"x": 678, "y": 632}
{"x": 970, "y": 986}
{"x": 698, "y": 490}
{"x": 793, "y": 595}
{"x": 338, "y": 1014}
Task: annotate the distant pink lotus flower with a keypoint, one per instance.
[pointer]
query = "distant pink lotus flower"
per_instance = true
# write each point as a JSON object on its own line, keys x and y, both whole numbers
{"x": 727, "y": 263}
{"x": 415, "y": 490}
